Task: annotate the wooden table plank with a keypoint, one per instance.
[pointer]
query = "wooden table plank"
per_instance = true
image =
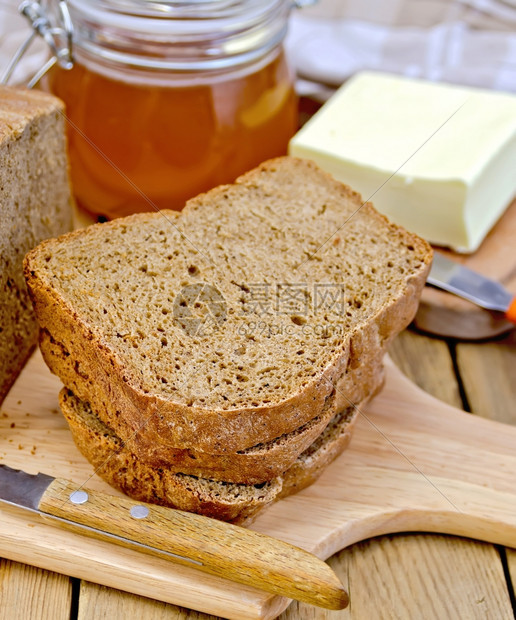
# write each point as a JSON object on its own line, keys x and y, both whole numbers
{"x": 511, "y": 562}
{"x": 488, "y": 372}
{"x": 28, "y": 593}
{"x": 402, "y": 577}
{"x": 427, "y": 362}
{"x": 116, "y": 604}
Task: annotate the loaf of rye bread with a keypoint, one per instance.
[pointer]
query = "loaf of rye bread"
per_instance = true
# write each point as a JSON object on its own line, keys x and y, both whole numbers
{"x": 301, "y": 282}
{"x": 237, "y": 503}
{"x": 35, "y": 203}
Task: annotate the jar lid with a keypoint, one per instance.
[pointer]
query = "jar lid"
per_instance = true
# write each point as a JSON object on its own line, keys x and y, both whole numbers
{"x": 179, "y": 35}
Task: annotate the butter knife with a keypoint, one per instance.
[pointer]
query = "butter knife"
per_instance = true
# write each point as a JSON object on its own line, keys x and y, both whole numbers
{"x": 468, "y": 284}
{"x": 212, "y": 546}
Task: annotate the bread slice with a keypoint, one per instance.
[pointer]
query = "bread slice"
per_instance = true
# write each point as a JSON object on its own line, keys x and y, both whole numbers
{"x": 253, "y": 465}
{"x": 35, "y": 203}
{"x": 301, "y": 284}
{"x": 222, "y": 500}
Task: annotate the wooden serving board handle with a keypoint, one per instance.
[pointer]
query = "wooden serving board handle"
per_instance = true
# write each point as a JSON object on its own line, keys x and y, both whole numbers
{"x": 414, "y": 464}
{"x": 208, "y": 545}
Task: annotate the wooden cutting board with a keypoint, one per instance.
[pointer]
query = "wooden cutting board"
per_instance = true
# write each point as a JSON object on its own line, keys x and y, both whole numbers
{"x": 414, "y": 464}
{"x": 446, "y": 315}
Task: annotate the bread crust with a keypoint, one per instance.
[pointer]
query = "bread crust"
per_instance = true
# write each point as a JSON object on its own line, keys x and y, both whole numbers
{"x": 25, "y": 347}
{"x": 35, "y": 203}
{"x": 237, "y": 503}
{"x": 255, "y": 465}
{"x": 159, "y": 424}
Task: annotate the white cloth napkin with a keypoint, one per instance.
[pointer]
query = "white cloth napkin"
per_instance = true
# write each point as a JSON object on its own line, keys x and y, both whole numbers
{"x": 471, "y": 42}
{"x": 325, "y": 51}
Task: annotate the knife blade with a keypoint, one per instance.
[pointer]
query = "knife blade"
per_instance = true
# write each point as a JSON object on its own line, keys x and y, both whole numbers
{"x": 486, "y": 293}
{"x": 212, "y": 546}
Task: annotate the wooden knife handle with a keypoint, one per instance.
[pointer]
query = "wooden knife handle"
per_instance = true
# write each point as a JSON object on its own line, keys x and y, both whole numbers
{"x": 212, "y": 546}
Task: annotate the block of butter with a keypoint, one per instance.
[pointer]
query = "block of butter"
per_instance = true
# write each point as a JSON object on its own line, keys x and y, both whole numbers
{"x": 437, "y": 159}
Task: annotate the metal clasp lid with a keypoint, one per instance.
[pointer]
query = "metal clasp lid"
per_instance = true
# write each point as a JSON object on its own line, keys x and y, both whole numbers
{"x": 58, "y": 37}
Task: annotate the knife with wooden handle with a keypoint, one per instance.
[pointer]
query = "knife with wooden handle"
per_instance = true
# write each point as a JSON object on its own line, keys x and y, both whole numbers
{"x": 212, "y": 546}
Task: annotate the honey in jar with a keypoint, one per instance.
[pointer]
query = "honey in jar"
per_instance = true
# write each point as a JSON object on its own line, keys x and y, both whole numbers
{"x": 168, "y": 99}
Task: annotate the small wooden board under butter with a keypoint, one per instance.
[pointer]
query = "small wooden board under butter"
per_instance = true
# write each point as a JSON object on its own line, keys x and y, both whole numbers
{"x": 445, "y": 315}
{"x": 414, "y": 464}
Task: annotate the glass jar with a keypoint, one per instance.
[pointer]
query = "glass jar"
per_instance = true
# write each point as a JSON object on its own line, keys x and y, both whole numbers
{"x": 167, "y": 99}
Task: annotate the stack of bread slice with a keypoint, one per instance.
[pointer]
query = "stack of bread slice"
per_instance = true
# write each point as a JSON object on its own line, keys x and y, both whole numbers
{"x": 215, "y": 360}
